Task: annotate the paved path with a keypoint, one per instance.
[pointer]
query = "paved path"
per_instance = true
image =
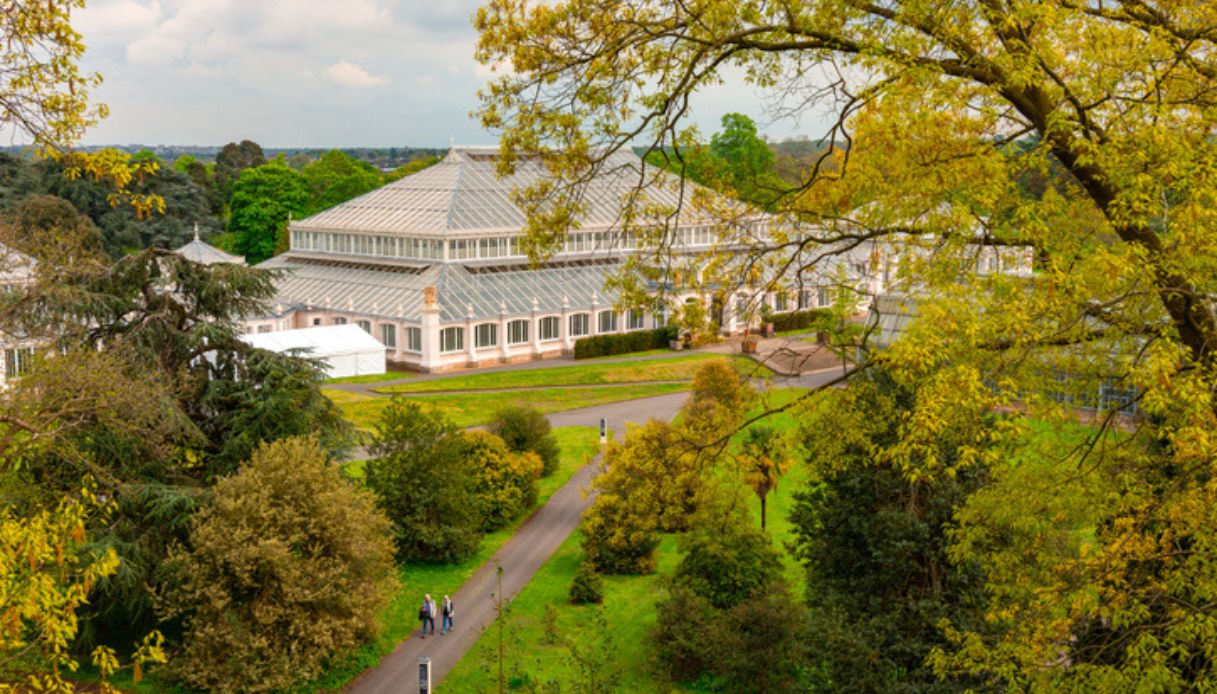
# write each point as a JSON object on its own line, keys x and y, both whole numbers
{"x": 532, "y": 545}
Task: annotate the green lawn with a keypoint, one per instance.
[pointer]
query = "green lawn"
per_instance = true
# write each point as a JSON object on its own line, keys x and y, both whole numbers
{"x": 470, "y": 409}
{"x": 629, "y": 606}
{"x": 626, "y": 355}
{"x": 578, "y": 446}
{"x": 629, "y": 609}
{"x": 375, "y": 378}
{"x": 680, "y": 368}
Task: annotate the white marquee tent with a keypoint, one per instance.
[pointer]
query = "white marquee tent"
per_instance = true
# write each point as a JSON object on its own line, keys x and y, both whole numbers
{"x": 346, "y": 349}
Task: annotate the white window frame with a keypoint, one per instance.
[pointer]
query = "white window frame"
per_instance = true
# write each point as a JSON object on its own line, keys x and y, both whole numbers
{"x": 414, "y": 339}
{"x": 452, "y": 339}
{"x": 517, "y": 331}
{"x": 612, "y": 328}
{"x": 583, "y": 320}
{"x": 388, "y": 335}
{"x": 549, "y": 335}
{"x": 479, "y": 333}
{"x": 636, "y": 319}
{"x": 366, "y": 325}
{"x": 17, "y": 361}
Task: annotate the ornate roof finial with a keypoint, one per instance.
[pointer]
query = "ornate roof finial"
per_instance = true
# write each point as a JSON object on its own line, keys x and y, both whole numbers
{"x": 196, "y": 231}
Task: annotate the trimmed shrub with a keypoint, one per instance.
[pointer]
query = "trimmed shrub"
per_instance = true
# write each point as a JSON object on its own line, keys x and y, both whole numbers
{"x": 425, "y": 483}
{"x": 588, "y": 587}
{"x": 725, "y": 562}
{"x": 288, "y": 564}
{"x": 624, "y": 343}
{"x": 797, "y": 320}
{"x": 525, "y": 429}
{"x": 506, "y": 482}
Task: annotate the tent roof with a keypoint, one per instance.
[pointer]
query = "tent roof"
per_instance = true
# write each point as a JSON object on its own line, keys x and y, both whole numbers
{"x": 321, "y": 341}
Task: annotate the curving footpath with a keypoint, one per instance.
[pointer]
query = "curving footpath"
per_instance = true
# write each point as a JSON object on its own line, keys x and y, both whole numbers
{"x": 532, "y": 545}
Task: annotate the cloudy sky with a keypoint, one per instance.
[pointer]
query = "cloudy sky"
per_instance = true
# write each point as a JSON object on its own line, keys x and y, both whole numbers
{"x": 311, "y": 73}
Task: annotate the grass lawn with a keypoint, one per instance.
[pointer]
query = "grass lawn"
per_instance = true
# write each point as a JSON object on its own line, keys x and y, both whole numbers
{"x": 627, "y": 355}
{"x": 629, "y": 609}
{"x": 578, "y": 446}
{"x": 680, "y": 368}
{"x": 374, "y": 378}
{"x": 470, "y": 409}
{"x": 629, "y": 604}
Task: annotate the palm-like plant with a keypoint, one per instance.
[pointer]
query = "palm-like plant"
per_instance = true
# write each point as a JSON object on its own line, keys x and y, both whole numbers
{"x": 763, "y": 460}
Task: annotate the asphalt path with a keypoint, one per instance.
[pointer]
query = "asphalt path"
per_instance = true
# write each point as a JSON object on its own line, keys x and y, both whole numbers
{"x": 532, "y": 545}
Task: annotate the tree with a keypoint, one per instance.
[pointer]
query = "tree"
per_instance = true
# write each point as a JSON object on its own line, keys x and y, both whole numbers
{"x": 762, "y": 460}
{"x": 651, "y": 482}
{"x": 262, "y": 200}
{"x": 411, "y": 167}
{"x": 719, "y": 400}
{"x": 425, "y": 484}
{"x": 153, "y": 394}
{"x": 287, "y": 565}
{"x": 524, "y": 429}
{"x": 942, "y": 110}
{"x": 231, "y": 161}
{"x": 335, "y": 178}
{"x": 746, "y": 158}
{"x": 587, "y": 587}
{"x": 506, "y": 481}
{"x": 726, "y": 560}
{"x": 876, "y": 544}
{"x": 46, "y": 572}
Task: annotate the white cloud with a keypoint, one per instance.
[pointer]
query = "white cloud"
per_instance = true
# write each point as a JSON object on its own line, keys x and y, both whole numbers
{"x": 211, "y": 71}
{"x": 349, "y": 74}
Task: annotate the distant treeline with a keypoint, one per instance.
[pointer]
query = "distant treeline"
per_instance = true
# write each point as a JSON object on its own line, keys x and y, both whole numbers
{"x": 383, "y": 158}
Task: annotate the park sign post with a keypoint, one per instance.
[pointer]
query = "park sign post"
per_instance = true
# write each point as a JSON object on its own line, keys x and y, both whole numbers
{"x": 424, "y": 675}
{"x": 603, "y": 431}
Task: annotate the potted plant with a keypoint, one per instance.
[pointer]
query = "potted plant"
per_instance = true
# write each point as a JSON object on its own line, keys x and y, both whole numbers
{"x": 767, "y": 320}
{"x": 748, "y": 346}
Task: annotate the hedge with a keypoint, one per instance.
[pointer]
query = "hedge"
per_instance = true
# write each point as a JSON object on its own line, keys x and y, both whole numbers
{"x": 796, "y": 320}
{"x": 622, "y": 343}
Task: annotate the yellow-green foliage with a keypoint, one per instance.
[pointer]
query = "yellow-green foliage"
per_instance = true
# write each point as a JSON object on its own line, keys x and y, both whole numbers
{"x": 651, "y": 482}
{"x": 288, "y": 564}
{"x": 46, "y": 574}
{"x": 720, "y": 397}
{"x": 1069, "y": 141}
{"x": 507, "y": 481}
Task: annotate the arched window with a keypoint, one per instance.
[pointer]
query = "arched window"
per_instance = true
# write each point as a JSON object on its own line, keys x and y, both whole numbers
{"x": 517, "y": 332}
{"x": 549, "y": 327}
{"x": 608, "y": 322}
{"x": 635, "y": 320}
{"x": 485, "y": 335}
{"x": 578, "y": 324}
{"x": 452, "y": 339}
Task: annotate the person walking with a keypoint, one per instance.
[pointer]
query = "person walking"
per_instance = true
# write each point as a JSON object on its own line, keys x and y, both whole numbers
{"x": 447, "y": 612}
{"x": 426, "y": 614}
